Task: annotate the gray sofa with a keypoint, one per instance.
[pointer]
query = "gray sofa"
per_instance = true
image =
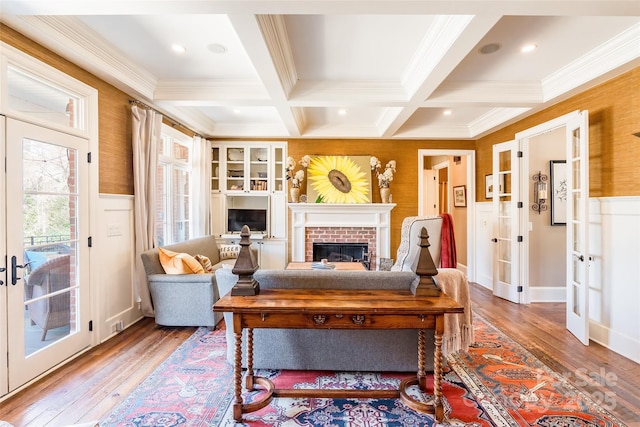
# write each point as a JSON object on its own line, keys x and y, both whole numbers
{"x": 184, "y": 299}
{"x": 322, "y": 349}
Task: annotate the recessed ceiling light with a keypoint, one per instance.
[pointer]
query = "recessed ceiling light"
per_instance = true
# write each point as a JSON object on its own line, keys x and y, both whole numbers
{"x": 178, "y": 48}
{"x": 236, "y": 111}
{"x": 217, "y": 48}
{"x": 342, "y": 112}
{"x": 447, "y": 112}
{"x": 489, "y": 48}
{"x": 528, "y": 48}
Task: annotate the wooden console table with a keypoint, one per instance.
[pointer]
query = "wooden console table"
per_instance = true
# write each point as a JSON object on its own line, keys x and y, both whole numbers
{"x": 338, "y": 309}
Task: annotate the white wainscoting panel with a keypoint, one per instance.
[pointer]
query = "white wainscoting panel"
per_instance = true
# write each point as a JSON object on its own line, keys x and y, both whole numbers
{"x": 484, "y": 246}
{"x": 614, "y": 297}
{"x": 115, "y": 245}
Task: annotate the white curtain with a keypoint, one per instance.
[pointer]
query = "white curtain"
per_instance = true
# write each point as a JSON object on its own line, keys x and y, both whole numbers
{"x": 201, "y": 187}
{"x": 146, "y": 134}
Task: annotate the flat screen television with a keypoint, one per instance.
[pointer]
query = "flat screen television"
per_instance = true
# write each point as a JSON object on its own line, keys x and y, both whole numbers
{"x": 256, "y": 219}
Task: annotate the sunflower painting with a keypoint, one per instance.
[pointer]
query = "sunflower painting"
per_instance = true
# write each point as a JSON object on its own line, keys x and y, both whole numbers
{"x": 339, "y": 179}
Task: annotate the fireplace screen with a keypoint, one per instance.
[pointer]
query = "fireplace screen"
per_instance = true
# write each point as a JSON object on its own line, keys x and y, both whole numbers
{"x": 341, "y": 252}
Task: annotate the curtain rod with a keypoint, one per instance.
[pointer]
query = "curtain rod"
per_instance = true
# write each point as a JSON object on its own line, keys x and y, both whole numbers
{"x": 173, "y": 122}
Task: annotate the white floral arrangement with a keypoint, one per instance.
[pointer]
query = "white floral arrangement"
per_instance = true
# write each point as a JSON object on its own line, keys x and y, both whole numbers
{"x": 298, "y": 176}
{"x": 385, "y": 177}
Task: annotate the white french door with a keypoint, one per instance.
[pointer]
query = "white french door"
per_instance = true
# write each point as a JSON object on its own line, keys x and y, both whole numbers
{"x": 506, "y": 258}
{"x": 578, "y": 257}
{"x": 45, "y": 234}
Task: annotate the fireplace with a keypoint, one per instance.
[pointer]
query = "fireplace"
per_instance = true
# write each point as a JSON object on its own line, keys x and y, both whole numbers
{"x": 340, "y": 223}
{"x": 342, "y": 252}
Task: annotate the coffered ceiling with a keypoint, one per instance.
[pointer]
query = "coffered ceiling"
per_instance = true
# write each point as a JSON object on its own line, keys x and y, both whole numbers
{"x": 450, "y": 69}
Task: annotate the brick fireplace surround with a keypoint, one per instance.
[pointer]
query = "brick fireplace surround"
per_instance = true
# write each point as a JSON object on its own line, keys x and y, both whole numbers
{"x": 340, "y": 223}
{"x": 365, "y": 235}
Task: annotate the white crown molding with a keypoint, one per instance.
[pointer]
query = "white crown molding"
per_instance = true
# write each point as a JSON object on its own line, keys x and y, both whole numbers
{"x": 497, "y": 117}
{"x": 274, "y": 32}
{"x": 310, "y": 93}
{"x": 434, "y": 132}
{"x": 486, "y": 93}
{"x": 613, "y": 54}
{"x": 71, "y": 39}
{"x": 209, "y": 92}
{"x": 249, "y": 130}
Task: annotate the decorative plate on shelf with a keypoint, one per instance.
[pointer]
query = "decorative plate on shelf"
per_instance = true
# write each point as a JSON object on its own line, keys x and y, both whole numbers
{"x": 235, "y": 154}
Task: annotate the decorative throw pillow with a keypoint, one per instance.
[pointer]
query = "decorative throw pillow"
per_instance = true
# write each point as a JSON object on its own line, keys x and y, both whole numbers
{"x": 179, "y": 263}
{"x": 205, "y": 262}
{"x": 229, "y": 251}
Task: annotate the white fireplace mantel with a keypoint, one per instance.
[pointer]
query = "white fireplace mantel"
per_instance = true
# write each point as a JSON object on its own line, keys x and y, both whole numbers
{"x": 375, "y": 215}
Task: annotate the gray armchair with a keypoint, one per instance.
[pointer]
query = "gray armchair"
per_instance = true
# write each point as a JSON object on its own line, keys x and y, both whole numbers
{"x": 184, "y": 299}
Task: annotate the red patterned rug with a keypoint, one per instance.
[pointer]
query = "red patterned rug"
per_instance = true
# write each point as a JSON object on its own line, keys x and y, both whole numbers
{"x": 497, "y": 383}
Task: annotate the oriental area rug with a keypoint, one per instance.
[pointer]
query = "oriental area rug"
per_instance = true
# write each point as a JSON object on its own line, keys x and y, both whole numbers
{"x": 497, "y": 383}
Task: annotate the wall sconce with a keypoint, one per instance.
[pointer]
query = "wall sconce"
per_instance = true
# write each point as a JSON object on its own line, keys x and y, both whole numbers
{"x": 540, "y": 192}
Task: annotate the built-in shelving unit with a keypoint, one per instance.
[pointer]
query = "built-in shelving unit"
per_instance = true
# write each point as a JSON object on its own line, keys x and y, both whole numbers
{"x": 251, "y": 176}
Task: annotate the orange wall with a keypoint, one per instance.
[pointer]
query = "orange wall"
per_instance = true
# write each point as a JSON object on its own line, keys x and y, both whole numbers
{"x": 614, "y": 115}
{"x": 114, "y": 132}
{"x": 404, "y": 187}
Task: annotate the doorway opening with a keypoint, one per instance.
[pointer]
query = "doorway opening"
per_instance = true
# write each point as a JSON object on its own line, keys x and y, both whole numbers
{"x": 439, "y": 172}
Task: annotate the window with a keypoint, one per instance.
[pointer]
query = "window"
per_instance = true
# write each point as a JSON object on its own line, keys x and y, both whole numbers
{"x": 173, "y": 212}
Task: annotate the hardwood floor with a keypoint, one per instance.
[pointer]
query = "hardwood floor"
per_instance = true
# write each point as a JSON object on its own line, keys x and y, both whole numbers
{"x": 88, "y": 388}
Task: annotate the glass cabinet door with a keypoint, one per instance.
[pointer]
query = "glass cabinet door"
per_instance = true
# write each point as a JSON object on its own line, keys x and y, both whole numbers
{"x": 258, "y": 168}
{"x": 278, "y": 161}
{"x": 235, "y": 168}
{"x": 215, "y": 169}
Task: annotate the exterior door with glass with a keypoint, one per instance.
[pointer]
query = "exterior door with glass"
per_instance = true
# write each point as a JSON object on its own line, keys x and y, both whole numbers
{"x": 47, "y": 286}
{"x": 505, "y": 191}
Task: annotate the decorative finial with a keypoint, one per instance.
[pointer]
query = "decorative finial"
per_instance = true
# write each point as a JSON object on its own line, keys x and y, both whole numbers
{"x": 245, "y": 266}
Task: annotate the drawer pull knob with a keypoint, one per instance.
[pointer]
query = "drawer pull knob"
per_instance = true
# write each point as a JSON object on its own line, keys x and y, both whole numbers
{"x": 319, "y": 319}
{"x": 357, "y": 319}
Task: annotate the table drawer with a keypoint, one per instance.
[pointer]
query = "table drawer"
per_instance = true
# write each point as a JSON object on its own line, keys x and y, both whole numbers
{"x": 338, "y": 321}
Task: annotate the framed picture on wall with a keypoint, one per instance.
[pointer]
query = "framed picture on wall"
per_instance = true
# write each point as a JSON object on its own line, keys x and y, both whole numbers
{"x": 558, "y": 178}
{"x": 460, "y": 196}
{"x": 488, "y": 185}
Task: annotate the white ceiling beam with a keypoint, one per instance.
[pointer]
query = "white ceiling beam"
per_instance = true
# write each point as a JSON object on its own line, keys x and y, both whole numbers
{"x": 275, "y": 7}
{"x": 456, "y": 38}
{"x": 267, "y": 51}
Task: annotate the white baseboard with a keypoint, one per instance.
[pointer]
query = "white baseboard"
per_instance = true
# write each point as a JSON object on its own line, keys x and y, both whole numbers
{"x": 615, "y": 341}
{"x": 547, "y": 294}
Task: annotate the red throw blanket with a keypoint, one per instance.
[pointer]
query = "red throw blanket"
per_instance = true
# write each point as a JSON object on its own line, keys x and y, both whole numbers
{"x": 448, "y": 258}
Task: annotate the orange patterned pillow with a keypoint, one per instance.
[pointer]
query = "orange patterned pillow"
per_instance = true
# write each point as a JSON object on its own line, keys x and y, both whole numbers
{"x": 179, "y": 263}
{"x": 205, "y": 262}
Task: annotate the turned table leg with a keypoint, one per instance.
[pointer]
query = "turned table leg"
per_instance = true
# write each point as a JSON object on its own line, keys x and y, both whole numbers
{"x": 437, "y": 368}
{"x": 250, "y": 381}
{"x": 422, "y": 375}
{"x": 237, "y": 376}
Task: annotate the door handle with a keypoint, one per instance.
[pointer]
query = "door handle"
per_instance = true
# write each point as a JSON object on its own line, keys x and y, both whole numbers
{"x": 581, "y": 258}
{"x": 14, "y": 269}
{"x": 494, "y": 240}
{"x": 2, "y": 270}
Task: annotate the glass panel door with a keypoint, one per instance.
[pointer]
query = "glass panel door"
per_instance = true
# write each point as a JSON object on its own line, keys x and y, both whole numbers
{"x": 46, "y": 204}
{"x": 505, "y": 186}
{"x": 577, "y": 227}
